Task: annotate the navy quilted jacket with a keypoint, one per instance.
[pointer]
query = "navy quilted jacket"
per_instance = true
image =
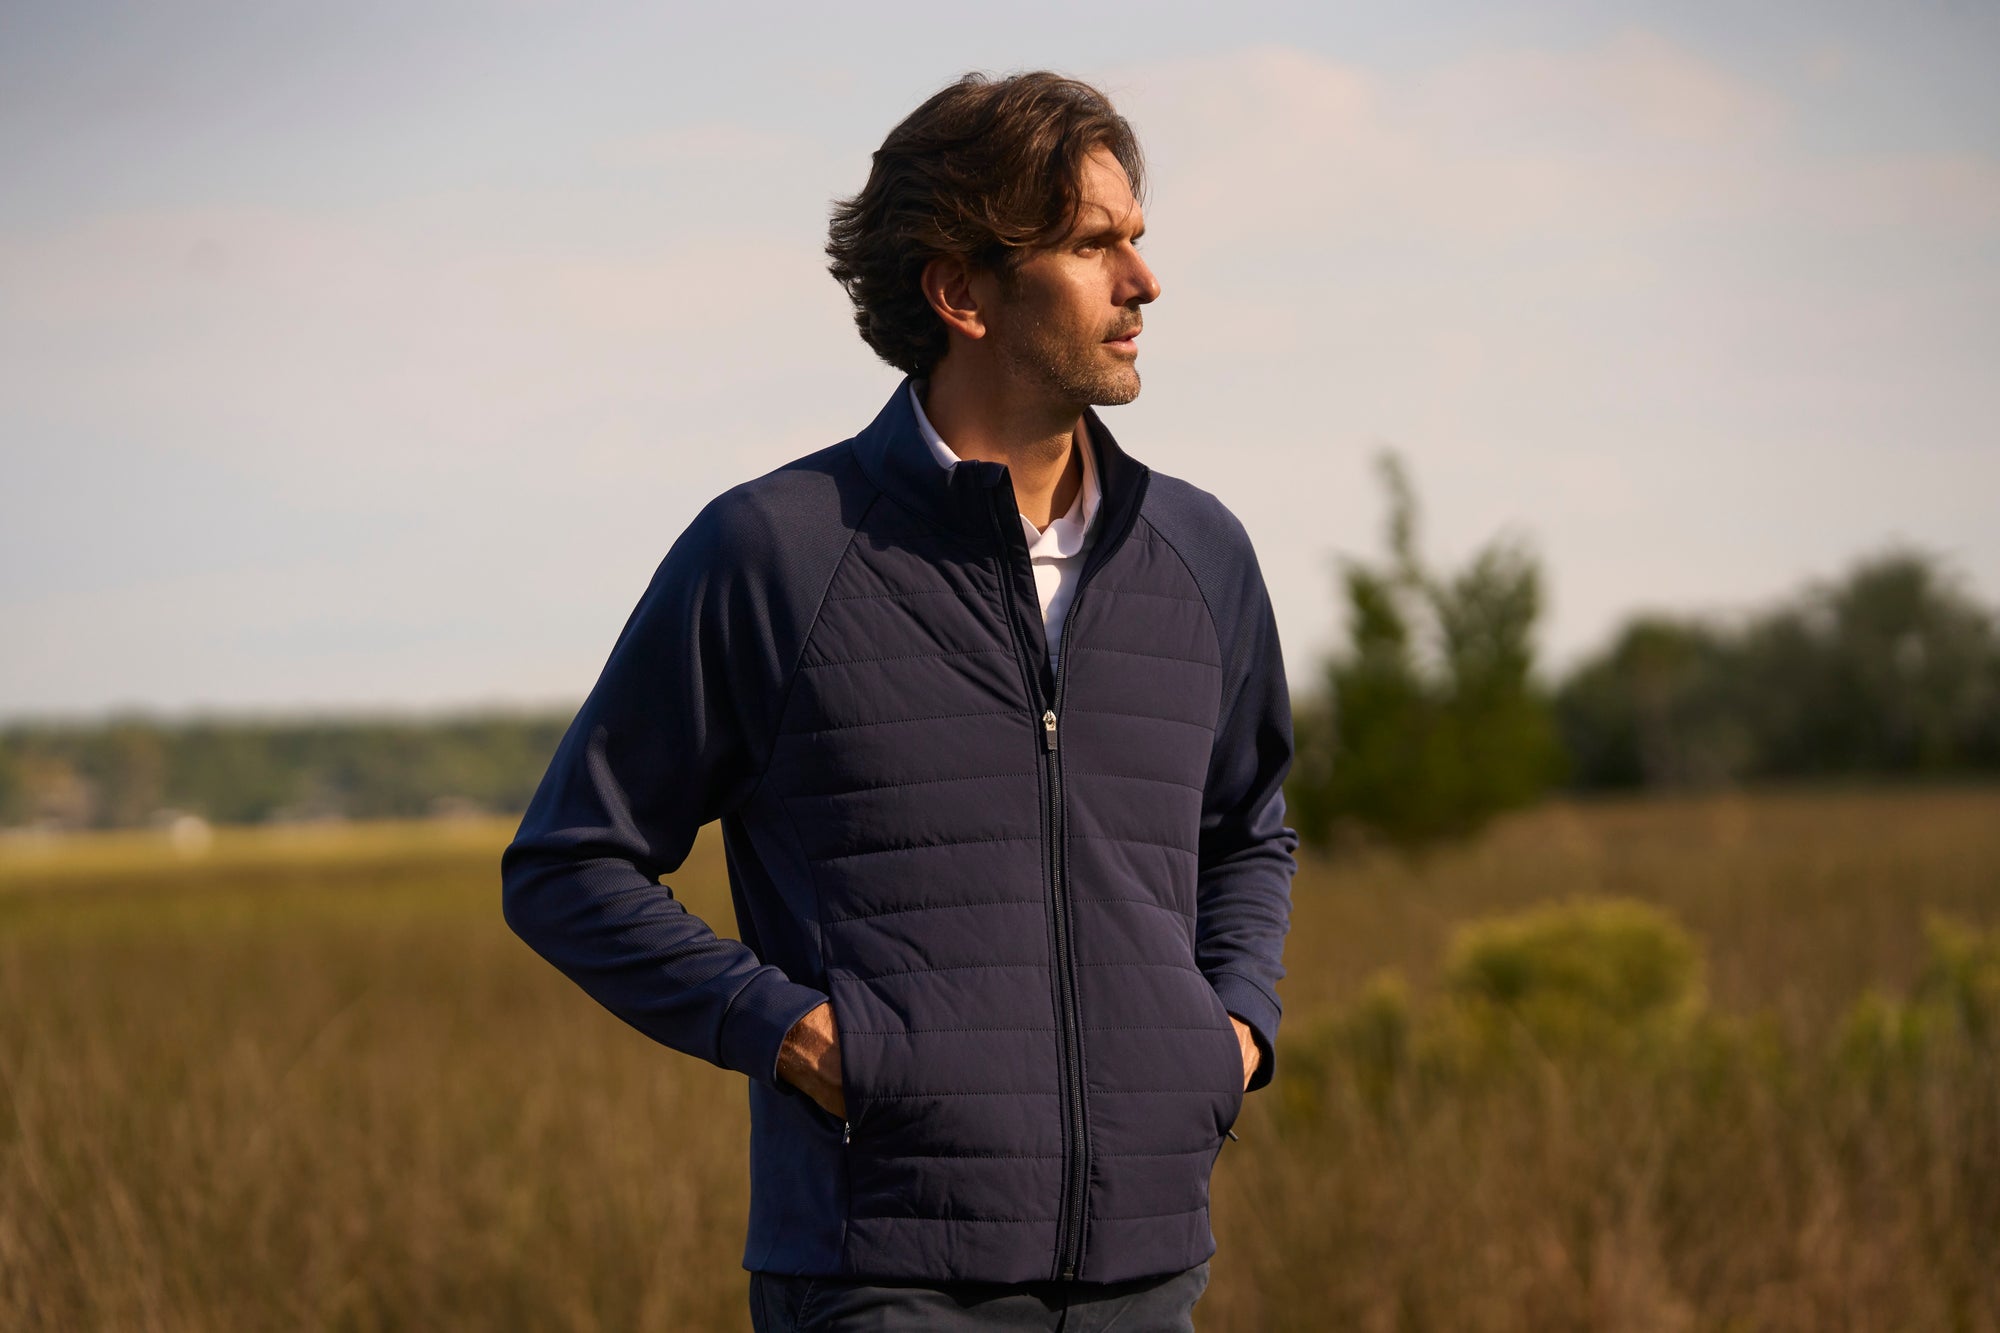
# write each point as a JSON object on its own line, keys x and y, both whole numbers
{"x": 1033, "y": 896}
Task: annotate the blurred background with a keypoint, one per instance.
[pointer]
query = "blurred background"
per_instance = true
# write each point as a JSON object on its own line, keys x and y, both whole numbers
{"x": 1609, "y": 393}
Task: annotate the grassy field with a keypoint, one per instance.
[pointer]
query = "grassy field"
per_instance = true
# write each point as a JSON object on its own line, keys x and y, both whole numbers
{"x": 309, "y": 1080}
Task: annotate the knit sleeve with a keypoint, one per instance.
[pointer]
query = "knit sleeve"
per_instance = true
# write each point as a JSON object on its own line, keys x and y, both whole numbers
{"x": 675, "y": 733}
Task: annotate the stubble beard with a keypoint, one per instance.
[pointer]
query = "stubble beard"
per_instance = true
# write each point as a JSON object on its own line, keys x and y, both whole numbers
{"x": 1070, "y": 371}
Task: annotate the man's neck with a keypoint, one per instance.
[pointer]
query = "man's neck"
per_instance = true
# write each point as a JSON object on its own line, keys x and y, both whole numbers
{"x": 980, "y": 419}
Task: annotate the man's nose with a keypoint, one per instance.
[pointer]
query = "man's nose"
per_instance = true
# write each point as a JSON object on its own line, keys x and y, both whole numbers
{"x": 1142, "y": 287}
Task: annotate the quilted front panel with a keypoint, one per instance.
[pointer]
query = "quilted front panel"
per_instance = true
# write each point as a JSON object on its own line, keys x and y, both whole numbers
{"x": 1140, "y": 704}
{"x": 911, "y": 767}
{"x": 910, "y": 761}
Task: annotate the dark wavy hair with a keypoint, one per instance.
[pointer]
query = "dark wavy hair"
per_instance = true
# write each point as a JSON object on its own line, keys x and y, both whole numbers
{"x": 984, "y": 169}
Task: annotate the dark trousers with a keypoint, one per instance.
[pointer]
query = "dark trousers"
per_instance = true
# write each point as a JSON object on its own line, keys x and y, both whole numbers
{"x": 781, "y": 1304}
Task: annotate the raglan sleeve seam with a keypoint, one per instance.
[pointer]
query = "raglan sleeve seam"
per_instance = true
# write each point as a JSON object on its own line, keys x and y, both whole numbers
{"x": 665, "y": 742}
{"x": 771, "y": 1011}
{"x": 791, "y": 677}
{"x": 1243, "y": 891}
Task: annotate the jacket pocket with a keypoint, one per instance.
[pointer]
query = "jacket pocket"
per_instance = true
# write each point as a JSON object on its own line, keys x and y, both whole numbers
{"x": 856, "y": 1056}
{"x": 1232, "y": 1103}
{"x": 813, "y": 1110}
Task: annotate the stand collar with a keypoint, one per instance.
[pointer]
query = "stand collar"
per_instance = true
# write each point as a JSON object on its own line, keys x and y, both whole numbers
{"x": 964, "y": 498}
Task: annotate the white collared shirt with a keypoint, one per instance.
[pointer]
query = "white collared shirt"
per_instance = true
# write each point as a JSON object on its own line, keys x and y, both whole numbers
{"x": 1056, "y": 552}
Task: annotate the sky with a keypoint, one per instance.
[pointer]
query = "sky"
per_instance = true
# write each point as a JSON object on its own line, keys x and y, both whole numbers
{"x": 370, "y": 356}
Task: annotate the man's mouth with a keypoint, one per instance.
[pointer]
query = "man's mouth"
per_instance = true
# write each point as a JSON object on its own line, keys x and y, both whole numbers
{"x": 1127, "y": 341}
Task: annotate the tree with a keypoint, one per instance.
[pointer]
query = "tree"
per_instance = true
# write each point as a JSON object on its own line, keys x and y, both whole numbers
{"x": 1657, "y": 709}
{"x": 1892, "y": 670}
{"x": 1904, "y": 679}
{"x": 1430, "y": 722}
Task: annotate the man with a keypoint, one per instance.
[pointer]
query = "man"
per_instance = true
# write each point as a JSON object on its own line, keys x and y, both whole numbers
{"x": 995, "y": 721}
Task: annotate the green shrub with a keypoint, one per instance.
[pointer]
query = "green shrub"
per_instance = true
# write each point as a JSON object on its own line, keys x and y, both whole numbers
{"x": 1375, "y": 1036}
{"x": 1954, "y": 1004}
{"x": 1960, "y": 984}
{"x": 1580, "y": 972}
{"x": 1360, "y": 1051}
{"x": 1881, "y": 1040}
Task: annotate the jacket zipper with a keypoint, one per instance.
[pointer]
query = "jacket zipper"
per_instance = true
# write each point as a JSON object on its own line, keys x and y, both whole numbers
{"x": 1072, "y": 1257}
{"x": 1069, "y": 1222}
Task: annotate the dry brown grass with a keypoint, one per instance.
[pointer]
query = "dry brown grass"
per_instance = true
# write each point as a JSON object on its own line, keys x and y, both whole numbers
{"x": 319, "y": 1085}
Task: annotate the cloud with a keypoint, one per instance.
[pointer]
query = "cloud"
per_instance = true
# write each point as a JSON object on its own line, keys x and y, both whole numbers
{"x": 1611, "y": 295}
{"x": 281, "y": 338}
{"x": 1637, "y": 88}
{"x": 1603, "y": 294}
{"x": 1637, "y": 133}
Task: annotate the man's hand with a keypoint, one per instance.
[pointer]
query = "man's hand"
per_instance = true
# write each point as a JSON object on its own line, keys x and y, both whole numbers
{"x": 1251, "y": 1055}
{"x": 809, "y": 1060}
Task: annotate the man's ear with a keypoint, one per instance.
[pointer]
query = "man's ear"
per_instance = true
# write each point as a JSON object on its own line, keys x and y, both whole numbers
{"x": 950, "y": 287}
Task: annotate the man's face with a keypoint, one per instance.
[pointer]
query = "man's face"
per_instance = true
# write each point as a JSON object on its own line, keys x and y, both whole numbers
{"x": 1068, "y": 319}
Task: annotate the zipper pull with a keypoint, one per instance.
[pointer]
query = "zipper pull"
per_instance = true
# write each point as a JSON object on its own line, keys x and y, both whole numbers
{"x": 1232, "y": 1135}
{"x": 1049, "y": 729}
{"x": 847, "y": 1131}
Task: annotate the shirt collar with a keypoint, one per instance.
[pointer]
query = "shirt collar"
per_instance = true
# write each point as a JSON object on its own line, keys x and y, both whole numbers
{"x": 1064, "y": 536}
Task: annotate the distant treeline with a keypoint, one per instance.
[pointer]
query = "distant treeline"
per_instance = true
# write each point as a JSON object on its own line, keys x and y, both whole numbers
{"x": 1433, "y": 717}
{"x": 135, "y": 770}
{"x": 1893, "y": 670}
{"x": 1430, "y": 721}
